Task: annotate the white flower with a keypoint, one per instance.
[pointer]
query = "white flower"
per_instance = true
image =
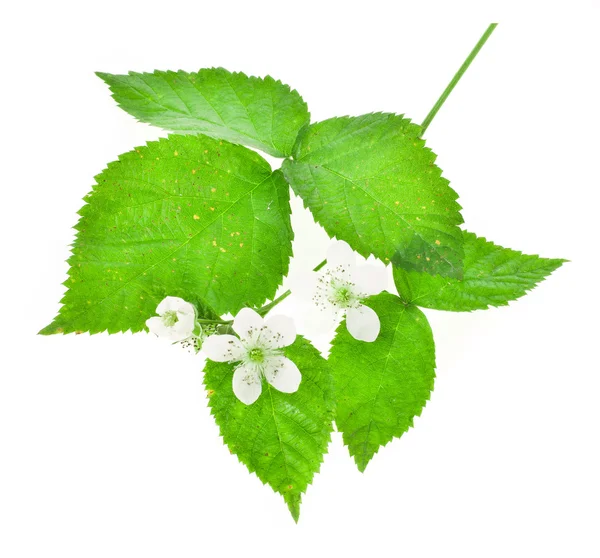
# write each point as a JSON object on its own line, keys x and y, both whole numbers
{"x": 259, "y": 352}
{"x": 339, "y": 289}
{"x": 176, "y": 319}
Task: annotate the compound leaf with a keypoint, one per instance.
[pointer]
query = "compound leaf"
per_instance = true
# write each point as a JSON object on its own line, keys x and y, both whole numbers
{"x": 493, "y": 276}
{"x": 261, "y": 113}
{"x": 381, "y": 386}
{"x": 282, "y": 437}
{"x": 186, "y": 216}
{"x": 370, "y": 181}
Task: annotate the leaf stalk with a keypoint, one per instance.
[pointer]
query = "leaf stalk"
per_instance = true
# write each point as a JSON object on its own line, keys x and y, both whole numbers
{"x": 457, "y": 76}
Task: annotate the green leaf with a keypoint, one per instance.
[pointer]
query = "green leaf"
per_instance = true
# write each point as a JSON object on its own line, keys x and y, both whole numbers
{"x": 261, "y": 113}
{"x": 371, "y": 181}
{"x": 186, "y": 216}
{"x": 492, "y": 277}
{"x": 281, "y": 437}
{"x": 381, "y": 386}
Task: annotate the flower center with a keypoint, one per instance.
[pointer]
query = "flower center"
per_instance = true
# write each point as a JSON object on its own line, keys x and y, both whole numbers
{"x": 256, "y": 355}
{"x": 343, "y": 295}
{"x": 336, "y": 288}
{"x": 170, "y": 318}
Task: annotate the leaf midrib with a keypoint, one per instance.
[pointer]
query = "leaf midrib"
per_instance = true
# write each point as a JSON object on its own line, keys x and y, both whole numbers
{"x": 364, "y": 459}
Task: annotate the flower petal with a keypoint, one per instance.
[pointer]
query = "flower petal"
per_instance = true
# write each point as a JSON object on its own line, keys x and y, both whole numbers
{"x": 370, "y": 279}
{"x": 157, "y": 326}
{"x": 340, "y": 253}
{"x": 302, "y": 284}
{"x": 184, "y": 325}
{"x": 223, "y": 348}
{"x": 247, "y": 323}
{"x": 175, "y": 304}
{"x": 322, "y": 319}
{"x": 246, "y": 384}
{"x": 363, "y": 323}
{"x": 282, "y": 374}
{"x": 280, "y": 331}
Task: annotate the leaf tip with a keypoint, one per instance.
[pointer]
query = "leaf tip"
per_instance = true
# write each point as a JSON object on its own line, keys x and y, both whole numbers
{"x": 294, "y": 507}
{"x": 103, "y": 76}
{"x": 361, "y": 464}
{"x": 51, "y": 329}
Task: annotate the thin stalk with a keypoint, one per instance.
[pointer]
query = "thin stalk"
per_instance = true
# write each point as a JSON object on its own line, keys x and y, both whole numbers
{"x": 263, "y": 310}
{"x": 457, "y": 76}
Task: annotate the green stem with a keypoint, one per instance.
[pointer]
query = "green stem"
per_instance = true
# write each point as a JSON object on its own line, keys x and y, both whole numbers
{"x": 457, "y": 76}
{"x": 263, "y": 310}
{"x": 322, "y": 264}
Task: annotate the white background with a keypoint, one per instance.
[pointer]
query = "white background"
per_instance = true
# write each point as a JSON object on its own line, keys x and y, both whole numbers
{"x": 106, "y": 444}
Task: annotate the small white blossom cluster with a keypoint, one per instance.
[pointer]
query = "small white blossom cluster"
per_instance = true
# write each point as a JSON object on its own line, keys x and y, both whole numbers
{"x": 258, "y": 349}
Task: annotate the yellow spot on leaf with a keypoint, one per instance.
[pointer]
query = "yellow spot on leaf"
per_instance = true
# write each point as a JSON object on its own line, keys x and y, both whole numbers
{"x": 196, "y": 217}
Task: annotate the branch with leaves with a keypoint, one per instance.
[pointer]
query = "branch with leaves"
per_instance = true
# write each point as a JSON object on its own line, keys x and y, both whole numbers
{"x": 180, "y": 233}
